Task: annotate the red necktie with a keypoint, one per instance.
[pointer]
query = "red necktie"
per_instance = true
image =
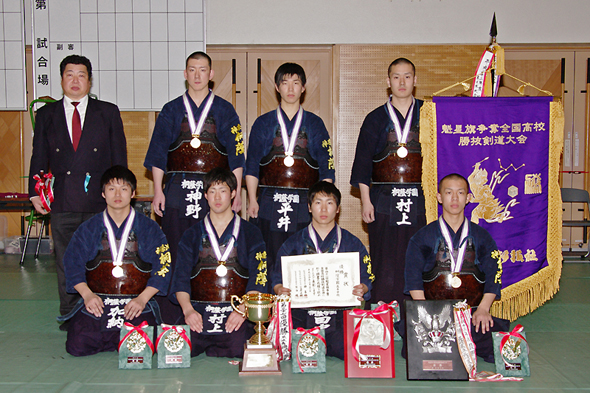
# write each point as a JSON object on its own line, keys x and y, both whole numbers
{"x": 76, "y": 126}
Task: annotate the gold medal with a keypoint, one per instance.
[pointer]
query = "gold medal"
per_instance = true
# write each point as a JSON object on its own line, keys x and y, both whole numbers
{"x": 309, "y": 345}
{"x": 402, "y": 152}
{"x": 289, "y": 161}
{"x": 221, "y": 269}
{"x": 173, "y": 341}
{"x": 135, "y": 342}
{"x": 455, "y": 282}
{"x": 195, "y": 142}
{"x": 118, "y": 272}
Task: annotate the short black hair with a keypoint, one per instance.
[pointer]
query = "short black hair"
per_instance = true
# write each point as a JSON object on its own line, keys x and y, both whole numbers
{"x": 198, "y": 55}
{"x": 75, "y": 59}
{"x": 289, "y": 69}
{"x": 220, "y": 175}
{"x": 118, "y": 172}
{"x": 453, "y": 176}
{"x": 326, "y": 188}
{"x": 400, "y": 60}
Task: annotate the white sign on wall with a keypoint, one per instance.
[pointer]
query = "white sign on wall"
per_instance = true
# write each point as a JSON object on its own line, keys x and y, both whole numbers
{"x": 137, "y": 48}
{"x": 12, "y": 56}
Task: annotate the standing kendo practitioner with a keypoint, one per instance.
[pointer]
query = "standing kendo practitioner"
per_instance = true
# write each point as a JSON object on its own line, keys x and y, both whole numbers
{"x": 117, "y": 261}
{"x": 453, "y": 258}
{"x": 77, "y": 139}
{"x": 220, "y": 256}
{"x": 194, "y": 133}
{"x": 289, "y": 150}
{"x": 387, "y": 169}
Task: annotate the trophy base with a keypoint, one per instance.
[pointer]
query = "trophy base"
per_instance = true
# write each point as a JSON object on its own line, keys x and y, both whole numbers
{"x": 259, "y": 361}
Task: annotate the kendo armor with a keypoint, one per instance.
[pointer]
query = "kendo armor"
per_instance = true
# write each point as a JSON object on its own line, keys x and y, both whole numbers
{"x": 274, "y": 173}
{"x": 136, "y": 273}
{"x": 207, "y": 286}
{"x": 437, "y": 282}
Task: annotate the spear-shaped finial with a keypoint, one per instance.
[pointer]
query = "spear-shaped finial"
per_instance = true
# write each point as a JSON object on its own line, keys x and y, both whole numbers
{"x": 494, "y": 29}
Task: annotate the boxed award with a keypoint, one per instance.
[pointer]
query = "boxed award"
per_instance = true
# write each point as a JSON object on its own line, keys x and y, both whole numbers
{"x": 368, "y": 343}
{"x": 433, "y": 352}
{"x": 309, "y": 350}
{"x": 135, "y": 346}
{"x": 511, "y": 353}
{"x": 173, "y": 345}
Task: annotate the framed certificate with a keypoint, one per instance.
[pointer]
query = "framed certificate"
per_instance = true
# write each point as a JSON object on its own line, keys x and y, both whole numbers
{"x": 322, "y": 280}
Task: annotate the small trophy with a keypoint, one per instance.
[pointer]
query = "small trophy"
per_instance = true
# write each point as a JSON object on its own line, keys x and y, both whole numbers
{"x": 260, "y": 356}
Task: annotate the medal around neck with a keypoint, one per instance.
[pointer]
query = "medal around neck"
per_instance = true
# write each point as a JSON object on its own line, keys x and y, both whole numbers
{"x": 455, "y": 282}
{"x": 402, "y": 152}
{"x": 289, "y": 161}
{"x": 118, "y": 272}
{"x": 221, "y": 270}
{"x": 195, "y": 143}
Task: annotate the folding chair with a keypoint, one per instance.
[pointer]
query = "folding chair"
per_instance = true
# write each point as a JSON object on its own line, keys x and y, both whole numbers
{"x": 575, "y": 195}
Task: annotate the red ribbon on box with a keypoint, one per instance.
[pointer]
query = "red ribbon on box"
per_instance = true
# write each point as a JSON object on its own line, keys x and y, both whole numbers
{"x": 138, "y": 329}
{"x": 379, "y": 314}
{"x": 179, "y": 329}
{"x": 313, "y": 332}
{"x": 514, "y": 333}
{"x": 44, "y": 187}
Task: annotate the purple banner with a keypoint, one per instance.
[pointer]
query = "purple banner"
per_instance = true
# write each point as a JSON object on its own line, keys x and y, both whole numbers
{"x": 501, "y": 145}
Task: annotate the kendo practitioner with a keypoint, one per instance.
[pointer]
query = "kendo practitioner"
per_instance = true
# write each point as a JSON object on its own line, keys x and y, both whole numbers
{"x": 220, "y": 256}
{"x": 77, "y": 139}
{"x": 289, "y": 150}
{"x": 453, "y": 258}
{"x": 117, "y": 261}
{"x": 387, "y": 169}
{"x": 323, "y": 235}
{"x": 194, "y": 133}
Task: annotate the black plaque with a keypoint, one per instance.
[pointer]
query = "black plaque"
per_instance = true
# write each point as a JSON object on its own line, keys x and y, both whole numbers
{"x": 432, "y": 344}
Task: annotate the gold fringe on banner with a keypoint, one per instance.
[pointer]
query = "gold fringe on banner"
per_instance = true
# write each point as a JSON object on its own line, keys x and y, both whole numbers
{"x": 531, "y": 293}
{"x": 429, "y": 164}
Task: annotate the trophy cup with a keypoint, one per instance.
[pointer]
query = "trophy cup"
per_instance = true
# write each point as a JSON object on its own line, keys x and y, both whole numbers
{"x": 260, "y": 356}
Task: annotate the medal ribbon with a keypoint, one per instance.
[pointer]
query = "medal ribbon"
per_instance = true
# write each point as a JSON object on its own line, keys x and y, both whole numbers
{"x": 213, "y": 238}
{"x": 314, "y": 238}
{"x": 456, "y": 264}
{"x": 289, "y": 143}
{"x": 196, "y": 128}
{"x": 43, "y": 187}
{"x": 118, "y": 255}
{"x": 138, "y": 329}
{"x": 179, "y": 329}
{"x": 315, "y": 332}
{"x": 379, "y": 314}
{"x": 402, "y": 136}
{"x": 515, "y": 333}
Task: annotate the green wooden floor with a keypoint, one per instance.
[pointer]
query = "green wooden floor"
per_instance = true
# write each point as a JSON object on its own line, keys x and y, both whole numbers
{"x": 33, "y": 356}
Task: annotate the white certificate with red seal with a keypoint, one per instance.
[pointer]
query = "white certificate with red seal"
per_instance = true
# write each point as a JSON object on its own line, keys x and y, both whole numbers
{"x": 322, "y": 280}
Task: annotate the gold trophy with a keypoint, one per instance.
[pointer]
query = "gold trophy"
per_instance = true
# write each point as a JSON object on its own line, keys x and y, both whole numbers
{"x": 260, "y": 357}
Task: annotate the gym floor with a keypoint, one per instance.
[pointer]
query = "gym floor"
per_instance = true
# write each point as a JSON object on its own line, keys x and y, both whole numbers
{"x": 33, "y": 356}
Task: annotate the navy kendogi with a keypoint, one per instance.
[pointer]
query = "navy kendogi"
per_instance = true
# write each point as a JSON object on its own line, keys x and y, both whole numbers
{"x": 147, "y": 262}
{"x": 330, "y": 319}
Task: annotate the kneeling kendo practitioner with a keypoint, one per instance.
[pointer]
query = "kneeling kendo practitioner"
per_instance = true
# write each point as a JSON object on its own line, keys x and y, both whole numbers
{"x": 117, "y": 261}
{"x": 453, "y": 258}
{"x": 220, "y": 256}
{"x": 323, "y": 235}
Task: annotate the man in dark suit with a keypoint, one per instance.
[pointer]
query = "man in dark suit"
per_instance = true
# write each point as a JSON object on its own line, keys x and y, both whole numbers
{"x": 77, "y": 139}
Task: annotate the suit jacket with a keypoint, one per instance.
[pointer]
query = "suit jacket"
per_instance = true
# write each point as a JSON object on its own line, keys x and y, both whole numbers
{"x": 101, "y": 146}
